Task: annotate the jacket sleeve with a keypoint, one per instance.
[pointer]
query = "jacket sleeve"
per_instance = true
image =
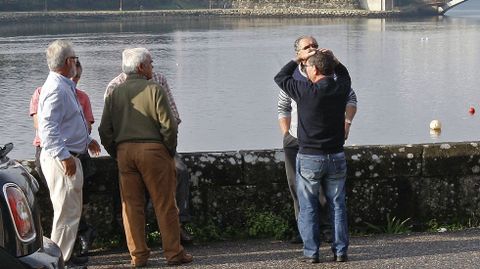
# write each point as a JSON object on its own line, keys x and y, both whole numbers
{"x": 105, "y": 130}
{"x": 286, "y": 82}
{"x": 352, "y": 98}
{"x": 343, "y": 76}
{"x": 284, "y": 105}
{"x": 167, "y": 123}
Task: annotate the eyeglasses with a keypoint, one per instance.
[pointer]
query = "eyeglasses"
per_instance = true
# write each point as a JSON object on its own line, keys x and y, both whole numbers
{"x": 310, "y": 46}
{"x": 75, "y": 58}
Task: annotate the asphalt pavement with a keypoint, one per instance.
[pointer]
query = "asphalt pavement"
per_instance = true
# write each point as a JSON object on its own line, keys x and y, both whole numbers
{"x": 459, "y": 249}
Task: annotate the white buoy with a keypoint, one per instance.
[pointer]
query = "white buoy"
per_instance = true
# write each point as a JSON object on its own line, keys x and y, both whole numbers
{"x": 435, "y": 125}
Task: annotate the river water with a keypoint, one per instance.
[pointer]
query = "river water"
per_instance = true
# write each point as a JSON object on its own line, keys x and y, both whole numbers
{"x": 406, "y": 72}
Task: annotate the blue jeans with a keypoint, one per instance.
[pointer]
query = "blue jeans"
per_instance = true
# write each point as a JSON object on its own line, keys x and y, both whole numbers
{"x": 328, "y": 171}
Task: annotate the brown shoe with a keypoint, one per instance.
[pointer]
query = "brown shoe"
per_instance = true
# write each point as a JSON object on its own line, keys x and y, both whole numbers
{"x": 139, "y": 264}
{"x": 186, "y": 258}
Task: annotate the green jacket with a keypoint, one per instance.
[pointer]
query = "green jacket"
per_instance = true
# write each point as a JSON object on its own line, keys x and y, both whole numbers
{"x": 137, "y": 111}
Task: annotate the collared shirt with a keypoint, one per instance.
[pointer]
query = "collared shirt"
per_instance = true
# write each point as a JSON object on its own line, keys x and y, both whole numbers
{"x": 158, "y": 78}
{"x": 61, "y": 123}
{"x": 82, "y": 98}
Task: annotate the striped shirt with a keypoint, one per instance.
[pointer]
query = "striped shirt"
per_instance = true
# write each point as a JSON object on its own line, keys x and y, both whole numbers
{"x": 287, "y": 108}
{"x": 158, "y": 78}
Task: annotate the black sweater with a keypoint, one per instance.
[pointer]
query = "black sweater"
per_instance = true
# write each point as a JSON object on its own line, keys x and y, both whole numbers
{"x": 321, "y": 109}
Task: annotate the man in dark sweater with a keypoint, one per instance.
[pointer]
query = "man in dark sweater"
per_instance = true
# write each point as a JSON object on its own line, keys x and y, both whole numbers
{"x": 321, "y": 134}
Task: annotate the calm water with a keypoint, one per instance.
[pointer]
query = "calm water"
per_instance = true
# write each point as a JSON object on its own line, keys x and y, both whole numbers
{"x": 405, "y": 73}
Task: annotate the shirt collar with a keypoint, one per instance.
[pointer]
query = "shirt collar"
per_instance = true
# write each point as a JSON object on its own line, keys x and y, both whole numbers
{"x": 64, "y": 79}
{"x": 135, "y": 76}
{"x": 301, "y": 71}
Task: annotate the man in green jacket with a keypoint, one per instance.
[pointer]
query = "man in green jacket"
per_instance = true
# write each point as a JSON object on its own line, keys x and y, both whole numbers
{"x": 139, "y": 130}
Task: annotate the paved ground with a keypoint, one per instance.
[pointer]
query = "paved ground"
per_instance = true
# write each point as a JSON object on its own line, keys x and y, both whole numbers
{"x": 419, "y": 250}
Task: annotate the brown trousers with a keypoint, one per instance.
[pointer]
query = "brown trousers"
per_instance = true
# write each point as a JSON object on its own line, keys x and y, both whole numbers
{"x": 150, "y": 166}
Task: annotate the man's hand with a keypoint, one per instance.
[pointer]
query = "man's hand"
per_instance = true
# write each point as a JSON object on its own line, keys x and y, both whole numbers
{"x": 70, "y": 166}
{"x": 303, "y": 55}
{"x": 94, "y": 148}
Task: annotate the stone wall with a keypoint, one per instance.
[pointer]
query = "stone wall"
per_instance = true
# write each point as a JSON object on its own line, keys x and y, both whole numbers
{"x": 231, "y": 190}
{"x": 312, "y": 4}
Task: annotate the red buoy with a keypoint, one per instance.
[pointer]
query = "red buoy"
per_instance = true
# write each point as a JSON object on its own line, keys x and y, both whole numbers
{"x": 471, "y": 110}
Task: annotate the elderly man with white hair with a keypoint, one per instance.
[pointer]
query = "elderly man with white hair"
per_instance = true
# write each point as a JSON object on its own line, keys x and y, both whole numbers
{"x": 139, "y": 130}
{"x": 182, "y": 194}
{"x": 64, "y": 133}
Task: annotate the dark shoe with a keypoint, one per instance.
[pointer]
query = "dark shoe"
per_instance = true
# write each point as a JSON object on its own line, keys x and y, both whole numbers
{"x": 76, "y": 263}
{"x": 78, "y": 260}
{"x": 309, "y": 259}
{"x": 341, "y": 258}
{"x": 86, "y": 239}
{"x": 186, "y": 258}
{"x": 185, "y": 237}
{"x": 71, "y": 265}
{"x": 296, "y": 240}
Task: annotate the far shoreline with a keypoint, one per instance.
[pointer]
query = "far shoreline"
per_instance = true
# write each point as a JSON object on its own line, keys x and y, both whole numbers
{"x": 232, "y": 13}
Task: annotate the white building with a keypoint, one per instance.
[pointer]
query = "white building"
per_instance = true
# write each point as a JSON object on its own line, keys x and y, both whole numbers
{"x": 377, "y": 5}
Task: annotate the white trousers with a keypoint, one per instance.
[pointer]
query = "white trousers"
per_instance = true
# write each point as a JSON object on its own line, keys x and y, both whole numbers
{"x": 66, "y": 196}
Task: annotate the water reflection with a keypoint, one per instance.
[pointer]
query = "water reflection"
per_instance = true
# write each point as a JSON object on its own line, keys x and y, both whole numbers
{"x": 435, "y": 134}
{"x": 221, "y": 73}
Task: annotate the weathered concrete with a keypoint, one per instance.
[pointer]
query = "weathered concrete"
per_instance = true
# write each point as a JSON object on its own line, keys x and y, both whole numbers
{"x": 233, "y": 191}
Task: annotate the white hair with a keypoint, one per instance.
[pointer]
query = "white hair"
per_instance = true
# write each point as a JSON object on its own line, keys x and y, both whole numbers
{"x": 57, "y": 52}
{"x": 132, "y": 58}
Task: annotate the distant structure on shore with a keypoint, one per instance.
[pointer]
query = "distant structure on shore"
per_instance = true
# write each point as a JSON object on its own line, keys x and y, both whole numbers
{"x": 434, "y": 6}
{"x": 267, "y": 7}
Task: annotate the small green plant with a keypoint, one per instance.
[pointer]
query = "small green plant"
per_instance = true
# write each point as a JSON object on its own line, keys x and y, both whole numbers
{"x": 112, "y": 242}
{"x": 154, "y": 238}
{"x": 206, "y": 232}
{"x": 472, "y": 222}
{"x": 394, "y": 226}
{"x": 267, "y": 224}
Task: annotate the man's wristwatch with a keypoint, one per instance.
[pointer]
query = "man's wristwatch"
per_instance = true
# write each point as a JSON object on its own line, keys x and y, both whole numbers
{"x": 348, "y": 121}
